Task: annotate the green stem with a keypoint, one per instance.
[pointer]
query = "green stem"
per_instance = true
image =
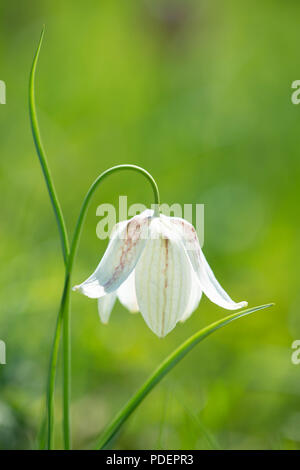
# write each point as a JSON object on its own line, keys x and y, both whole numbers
{"x": 53, "y": 366}
{"x": 162, "y": 370}
{"x": 87, "y": 199}
{"x": 67, "y": 369}
{"x": 64, "y": 309}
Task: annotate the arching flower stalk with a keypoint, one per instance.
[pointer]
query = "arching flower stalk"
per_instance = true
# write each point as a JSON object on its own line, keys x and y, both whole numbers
{"x": 154, "y": 264}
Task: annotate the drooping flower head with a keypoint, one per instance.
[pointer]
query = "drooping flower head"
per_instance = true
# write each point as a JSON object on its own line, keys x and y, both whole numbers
{"x": 155, "y": 265}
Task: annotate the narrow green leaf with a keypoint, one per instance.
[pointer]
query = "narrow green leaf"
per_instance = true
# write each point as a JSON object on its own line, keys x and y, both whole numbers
{"x": 42, "y": 155}
{"x": 65, "y": 249}
{"x": 163, "y": 369}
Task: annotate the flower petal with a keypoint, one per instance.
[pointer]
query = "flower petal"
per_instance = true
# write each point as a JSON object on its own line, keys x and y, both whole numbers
{"x": 127, "y": 295}
{"x": 163, "y": 279}
{"x": 105, "y": 306}
{"x": 123, "y": 251}
{"x": 195, "y": 297}
{"x": 209, "y": 284}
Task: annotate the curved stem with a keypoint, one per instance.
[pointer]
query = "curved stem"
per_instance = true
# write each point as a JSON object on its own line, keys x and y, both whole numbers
{"x": 162, "y": 370}
{"x": 90, "y": 193}
{"x": 64, "y": 309}
{"x": 42, "y": 156}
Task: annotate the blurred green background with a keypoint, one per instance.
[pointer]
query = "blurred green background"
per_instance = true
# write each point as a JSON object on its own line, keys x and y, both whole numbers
{"x": 198, "y": 93}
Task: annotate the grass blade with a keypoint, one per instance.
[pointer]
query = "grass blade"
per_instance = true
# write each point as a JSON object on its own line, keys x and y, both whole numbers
{"x": 163, "y": 369}
{"x": 65, "y": 249}
{"x": 42, "y": 155}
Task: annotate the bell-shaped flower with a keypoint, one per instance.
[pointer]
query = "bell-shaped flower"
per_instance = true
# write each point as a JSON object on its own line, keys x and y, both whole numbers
{"x": 155, "y": 265}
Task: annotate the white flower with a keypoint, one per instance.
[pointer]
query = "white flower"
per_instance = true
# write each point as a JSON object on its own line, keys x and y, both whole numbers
{"x": 155, "y": 265}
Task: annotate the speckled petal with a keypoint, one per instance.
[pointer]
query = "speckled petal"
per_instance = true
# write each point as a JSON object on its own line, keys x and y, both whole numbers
{"x": 123, "y": 251}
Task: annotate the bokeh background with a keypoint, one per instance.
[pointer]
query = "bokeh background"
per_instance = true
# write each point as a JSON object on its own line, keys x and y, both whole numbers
{"x": 198, "y": 93}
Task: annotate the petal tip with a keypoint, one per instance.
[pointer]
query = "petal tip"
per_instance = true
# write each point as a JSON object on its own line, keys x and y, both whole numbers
{"x": 243, "y": 304}
{"x": 159, "y": 335}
